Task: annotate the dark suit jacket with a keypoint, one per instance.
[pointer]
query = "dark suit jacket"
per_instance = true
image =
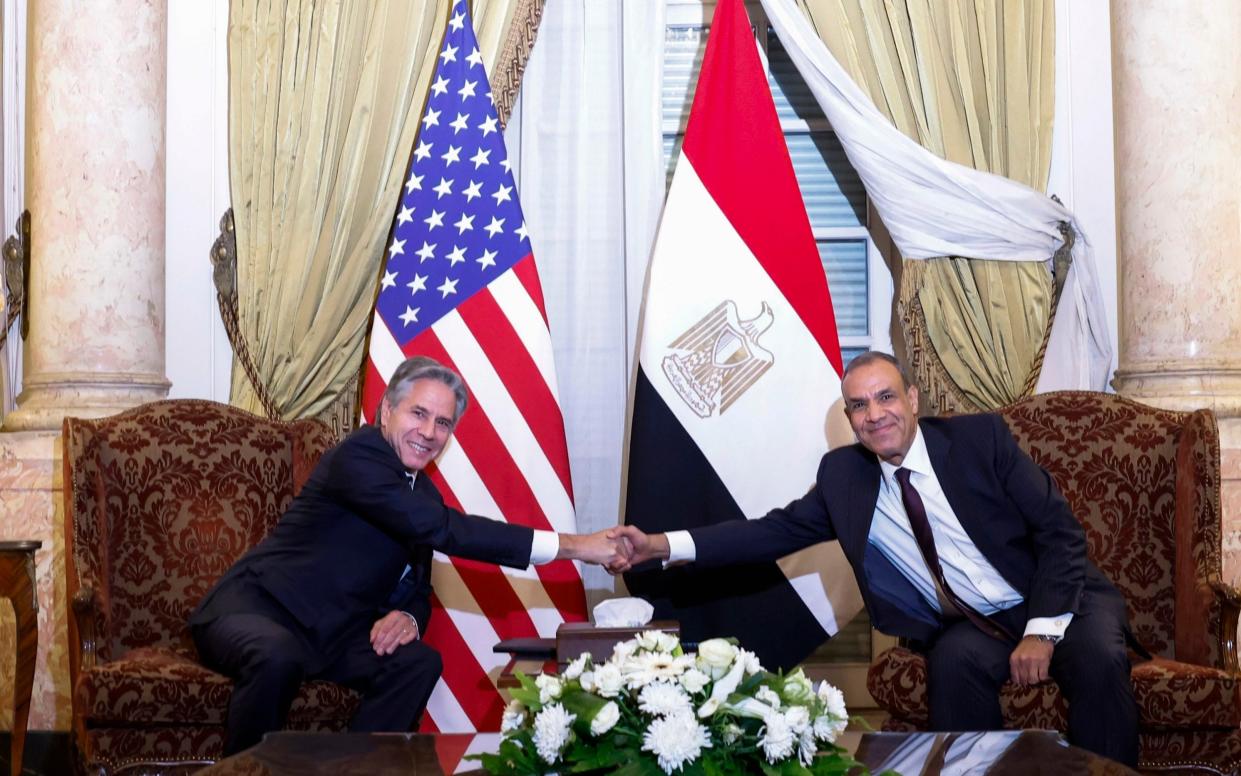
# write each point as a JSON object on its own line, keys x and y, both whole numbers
{"x": 1010, "y": 508}
{"x": 335, "y": 558}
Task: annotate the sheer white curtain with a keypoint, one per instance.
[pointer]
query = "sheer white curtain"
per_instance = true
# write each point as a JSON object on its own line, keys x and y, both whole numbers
{"x": 12, "y": 114}
{"x": 591, "y": 220}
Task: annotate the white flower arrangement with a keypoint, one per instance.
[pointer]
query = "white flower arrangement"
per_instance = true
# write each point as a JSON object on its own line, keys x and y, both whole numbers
{"x": 653, "y": 710}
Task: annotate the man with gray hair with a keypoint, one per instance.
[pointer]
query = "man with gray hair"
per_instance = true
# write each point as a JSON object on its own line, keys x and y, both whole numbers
{"x": 340, "y": 589}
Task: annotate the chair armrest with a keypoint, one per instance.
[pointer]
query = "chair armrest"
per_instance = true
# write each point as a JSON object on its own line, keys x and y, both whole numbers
{"x": 84, "y": 617}
{"x": 1229, "y": 599}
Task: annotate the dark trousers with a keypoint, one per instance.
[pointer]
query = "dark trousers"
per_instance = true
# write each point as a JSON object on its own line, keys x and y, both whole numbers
{"x": 268, "y": 654}
{"x": 966, "y": 667}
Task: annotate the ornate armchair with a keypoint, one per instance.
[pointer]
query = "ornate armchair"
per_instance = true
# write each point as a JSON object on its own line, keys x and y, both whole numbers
{"x": 1145, "y": 484}
{"x": 159, "y": 502}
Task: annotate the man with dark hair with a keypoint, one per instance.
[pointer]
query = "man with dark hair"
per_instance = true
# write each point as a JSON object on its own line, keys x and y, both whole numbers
{"x": 340, "y": 589}
{"x": 960, "y": 543}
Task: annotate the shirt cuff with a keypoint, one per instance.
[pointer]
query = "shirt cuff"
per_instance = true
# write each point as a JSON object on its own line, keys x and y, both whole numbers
{"x": 413, "y": 620}
{"x": 681, "y": 548}
{"x": 544, "y": 548}
{"x": 1049, "y": 626}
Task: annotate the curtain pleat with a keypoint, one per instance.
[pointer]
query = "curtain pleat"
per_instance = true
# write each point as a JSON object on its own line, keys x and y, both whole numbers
{"x": 972, "y": 81}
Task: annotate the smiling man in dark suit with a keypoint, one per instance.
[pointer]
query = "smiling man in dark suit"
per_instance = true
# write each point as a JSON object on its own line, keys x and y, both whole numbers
{"x": 340, "y": 588}
{"x": 959, "y": 542}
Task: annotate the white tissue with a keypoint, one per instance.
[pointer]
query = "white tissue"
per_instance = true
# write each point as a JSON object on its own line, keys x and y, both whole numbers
{"x": 623, "y": 613}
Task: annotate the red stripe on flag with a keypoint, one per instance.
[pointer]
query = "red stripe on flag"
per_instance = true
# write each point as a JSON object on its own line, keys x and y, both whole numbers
{"x": 508, "y": 488}
{"x": 469, "y": 683}
{"x": 450, "y": 749}
{"x": 521, "y": 377}
{"x": 735, "y": 143}
{"x": 528, "y": 274}
{"x": 560, "y": 581}
{"x": 427, "y": 725}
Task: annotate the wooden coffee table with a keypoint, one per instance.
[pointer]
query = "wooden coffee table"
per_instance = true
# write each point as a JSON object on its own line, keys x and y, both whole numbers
{"x": 344, "y": 754}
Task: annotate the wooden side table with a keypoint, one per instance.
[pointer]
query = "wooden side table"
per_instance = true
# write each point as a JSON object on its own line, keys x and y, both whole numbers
{"x": 17, "y": 583}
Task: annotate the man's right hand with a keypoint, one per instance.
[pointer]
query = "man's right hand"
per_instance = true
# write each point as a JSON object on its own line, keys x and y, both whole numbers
{"x": 641, "y": 547}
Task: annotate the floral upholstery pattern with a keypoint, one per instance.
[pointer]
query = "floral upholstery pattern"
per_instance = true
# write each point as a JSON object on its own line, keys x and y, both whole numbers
{"x": 159, "y": 502}
{"x": 1145, "y": 483}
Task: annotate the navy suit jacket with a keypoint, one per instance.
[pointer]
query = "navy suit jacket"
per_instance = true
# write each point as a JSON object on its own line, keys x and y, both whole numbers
{"x": 1009, "y": 506}
{"x": 335, "y": 558}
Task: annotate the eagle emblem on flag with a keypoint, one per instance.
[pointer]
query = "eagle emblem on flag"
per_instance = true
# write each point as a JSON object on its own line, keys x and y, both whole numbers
{"x": 719, "y": 358}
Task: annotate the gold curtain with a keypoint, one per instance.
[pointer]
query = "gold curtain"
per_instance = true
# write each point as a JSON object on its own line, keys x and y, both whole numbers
{"x": 324, "y": 103}
{"x": 972, "y": 81}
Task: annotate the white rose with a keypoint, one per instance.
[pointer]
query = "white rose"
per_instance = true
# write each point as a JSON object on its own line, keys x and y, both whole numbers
{"x": 605, "y": 719}
{"x": 549, "y": 687}
{"x": 797, "y": 688}
{"x": 694, "y": 681}
{"x": 608, "y": 680}
{"x": 587, "y": 680}
{"x": 514, "y": 717}
{"x": 574, "y": 669}
{"x": 715, "y": 656}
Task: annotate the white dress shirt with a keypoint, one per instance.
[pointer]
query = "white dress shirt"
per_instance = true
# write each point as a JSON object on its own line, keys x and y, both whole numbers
{"x": 970, "y": 575}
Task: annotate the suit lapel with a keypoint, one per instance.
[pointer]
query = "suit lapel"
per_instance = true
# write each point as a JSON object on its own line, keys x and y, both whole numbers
{"x": 862, "y": 498}
{"x": 952, "y": 480}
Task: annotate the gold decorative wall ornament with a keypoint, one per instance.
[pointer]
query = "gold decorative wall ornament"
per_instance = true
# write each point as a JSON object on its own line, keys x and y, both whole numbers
{"x": 17, "y": 278}
{"x": 224, "y": 274}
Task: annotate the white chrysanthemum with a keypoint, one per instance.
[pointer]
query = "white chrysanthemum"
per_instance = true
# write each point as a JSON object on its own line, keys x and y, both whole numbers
{"x": 675, "y": 741}
{"x": 623, "y": 650}
{"x": 552, "y": 727}
{"x": 834, "y": 700}
{"x": 605, "y": 719}
{"x": 828, "y": 729}
{"x": 587, "y": 680}
{"x": 807, "y": 747}
{"x": 732, "y": 732}
{"x": 798, "y": 718}
{"x": 767, "y": 695}
{"x": 694, "y": 681}
{"x": 514, "y": 717}
{"x": 609, "y": 680}
{"x": 549, "y": 687}
{"x": 776, "y": 738}
{"x": 662, "y": 699}
{"x": 575, "y": 669}
{"x": 750, "y": 660}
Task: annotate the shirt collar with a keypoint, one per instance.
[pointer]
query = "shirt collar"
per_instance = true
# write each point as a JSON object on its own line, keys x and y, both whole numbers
{"x": 917, "y": 460}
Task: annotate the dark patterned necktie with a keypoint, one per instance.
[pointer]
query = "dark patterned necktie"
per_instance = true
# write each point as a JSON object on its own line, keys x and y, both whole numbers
{"x": 926, "y": 543}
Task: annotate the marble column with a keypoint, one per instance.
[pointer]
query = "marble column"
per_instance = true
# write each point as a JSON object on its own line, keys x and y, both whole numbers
{"x": 95, "y": 187}
{"x": 95, "y": 190}
{"x": 1177, "y": 98}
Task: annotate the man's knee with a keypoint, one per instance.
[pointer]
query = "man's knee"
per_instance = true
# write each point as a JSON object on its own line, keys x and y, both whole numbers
{"x": 418, "y": 656}
{"x": 274, "y": 657}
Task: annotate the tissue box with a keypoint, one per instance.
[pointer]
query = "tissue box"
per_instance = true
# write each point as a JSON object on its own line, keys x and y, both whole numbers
{"x": 574, "y": 639}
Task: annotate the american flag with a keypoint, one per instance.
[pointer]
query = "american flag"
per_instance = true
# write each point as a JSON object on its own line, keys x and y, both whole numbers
{"x": 460, "y": 285}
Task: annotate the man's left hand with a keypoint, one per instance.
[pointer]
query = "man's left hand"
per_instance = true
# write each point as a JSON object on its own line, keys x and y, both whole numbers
{"x": 1030, "y": 660}
{"x": 394, "y": 629}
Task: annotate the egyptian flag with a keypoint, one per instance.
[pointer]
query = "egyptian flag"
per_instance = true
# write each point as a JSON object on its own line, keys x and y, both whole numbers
{"x": 739, "y": 363}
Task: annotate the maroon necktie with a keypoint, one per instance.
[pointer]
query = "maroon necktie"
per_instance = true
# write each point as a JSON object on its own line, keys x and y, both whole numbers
{"x": 926, "y": 543}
